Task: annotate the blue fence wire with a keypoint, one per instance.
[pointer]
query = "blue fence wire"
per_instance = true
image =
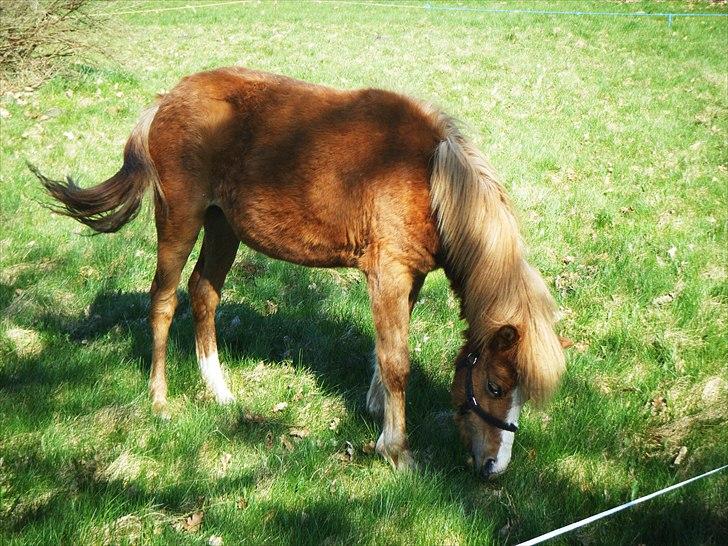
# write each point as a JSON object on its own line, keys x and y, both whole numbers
{"x": 668, "y": 16}
{"x": 444, "y": 7}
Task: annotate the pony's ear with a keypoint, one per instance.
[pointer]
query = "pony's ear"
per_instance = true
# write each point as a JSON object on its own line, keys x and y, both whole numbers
{"x": 565, "y": 342}
{"x": 505, "y": 338}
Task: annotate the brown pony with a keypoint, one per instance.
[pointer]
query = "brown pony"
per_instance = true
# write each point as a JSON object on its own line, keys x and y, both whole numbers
{"x": 319, "y": 177}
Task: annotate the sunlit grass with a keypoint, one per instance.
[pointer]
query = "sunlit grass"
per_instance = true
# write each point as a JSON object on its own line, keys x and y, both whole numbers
{"x": 610, "y": 135}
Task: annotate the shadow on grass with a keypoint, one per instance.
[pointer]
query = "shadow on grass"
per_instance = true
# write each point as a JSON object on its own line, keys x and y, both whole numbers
{"x": 685, "y": 520}
{"x": 533, "y": 497}
{"x": 78, "y": 487}
{"x": 336, "y": 350}
{"x": 309, "y": 341}
{"x": 302, "y": 332}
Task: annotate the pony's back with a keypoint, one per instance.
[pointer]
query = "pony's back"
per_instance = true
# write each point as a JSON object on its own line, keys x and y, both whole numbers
{"x": 303, "y": 172}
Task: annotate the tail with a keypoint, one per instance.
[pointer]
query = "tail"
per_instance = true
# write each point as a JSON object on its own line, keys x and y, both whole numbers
{"x": 485, "y": 256}
{"x": 112, "y": 204}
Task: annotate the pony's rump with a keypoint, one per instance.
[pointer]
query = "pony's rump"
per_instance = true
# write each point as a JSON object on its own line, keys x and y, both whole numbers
{"x": 112, "y": 204}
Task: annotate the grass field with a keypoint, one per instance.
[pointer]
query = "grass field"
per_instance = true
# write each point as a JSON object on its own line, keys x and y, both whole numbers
{"x": 611, "y": 135}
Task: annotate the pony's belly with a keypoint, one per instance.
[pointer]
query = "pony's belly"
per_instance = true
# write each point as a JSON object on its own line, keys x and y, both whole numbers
{"x": 295, "y": 236}
{"x": 290, "y": 250}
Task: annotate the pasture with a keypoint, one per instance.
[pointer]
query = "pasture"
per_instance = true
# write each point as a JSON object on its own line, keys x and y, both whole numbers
{"x": 611, "y": 137}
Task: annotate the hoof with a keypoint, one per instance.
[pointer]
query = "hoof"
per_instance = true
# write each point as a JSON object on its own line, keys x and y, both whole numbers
{"x": 404, "y": 461}
{"x": 399, "y": 457}
{"x": 160, "y": 409}
{"x": 225, "y": 397}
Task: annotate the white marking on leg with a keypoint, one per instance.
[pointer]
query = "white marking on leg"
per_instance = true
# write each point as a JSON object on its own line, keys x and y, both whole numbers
{"x": 212, "y": 374}
{"x": 392, "y": 443}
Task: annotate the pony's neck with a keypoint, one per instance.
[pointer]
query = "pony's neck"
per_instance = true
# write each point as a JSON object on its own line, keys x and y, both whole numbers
{"x": 488, "y": 302}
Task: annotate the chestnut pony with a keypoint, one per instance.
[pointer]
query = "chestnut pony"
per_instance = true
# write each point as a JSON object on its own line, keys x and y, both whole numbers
{"x": 326, "y": 178}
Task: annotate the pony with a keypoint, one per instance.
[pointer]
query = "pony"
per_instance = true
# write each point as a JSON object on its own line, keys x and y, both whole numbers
{"x": 320, "y": 177}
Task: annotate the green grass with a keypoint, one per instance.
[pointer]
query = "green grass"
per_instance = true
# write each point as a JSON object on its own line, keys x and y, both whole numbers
{"x": 611, "y": 136}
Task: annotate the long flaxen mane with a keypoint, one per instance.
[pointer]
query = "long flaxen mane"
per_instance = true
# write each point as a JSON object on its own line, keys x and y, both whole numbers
{"x": 485, "y": 252}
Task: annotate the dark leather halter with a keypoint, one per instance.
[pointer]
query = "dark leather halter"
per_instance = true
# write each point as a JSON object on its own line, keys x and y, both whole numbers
{"x": 471, "y": 403}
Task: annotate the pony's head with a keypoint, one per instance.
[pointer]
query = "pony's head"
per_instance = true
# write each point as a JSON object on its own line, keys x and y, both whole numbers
{"x": 488, "y": 400}
{"x": 512, "y": 353}
{"x": 488, "y": 392}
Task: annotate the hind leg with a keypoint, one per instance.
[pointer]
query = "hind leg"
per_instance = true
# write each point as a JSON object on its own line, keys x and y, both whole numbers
{"x": 176, "y": 235}
{"x": 219, "y": 247}
{"x": 376, "y": 393}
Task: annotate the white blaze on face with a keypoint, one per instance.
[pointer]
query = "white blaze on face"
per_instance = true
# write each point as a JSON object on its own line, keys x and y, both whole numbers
{"x": 506, "y": 444}
{"x": 212, "y": 374}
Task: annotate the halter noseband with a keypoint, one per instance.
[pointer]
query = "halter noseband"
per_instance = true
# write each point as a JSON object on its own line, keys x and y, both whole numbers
{"x": 471, "y": 403}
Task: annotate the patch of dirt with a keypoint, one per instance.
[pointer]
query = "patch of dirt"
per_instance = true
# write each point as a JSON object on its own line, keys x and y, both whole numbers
{"x": 685, "y": 422}
{"x": 125, "y": 530}
{"x": 126, "y": 468}
{"x": 665, "y": 441}
{"x": 26, "y": 342}
{"x": 110, "y": 419}
{"x": 132, "y": 529}
{"x": 714, "y": 389}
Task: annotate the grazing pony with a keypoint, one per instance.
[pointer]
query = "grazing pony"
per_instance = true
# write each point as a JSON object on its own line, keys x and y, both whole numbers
{"x": 326, "y": 178}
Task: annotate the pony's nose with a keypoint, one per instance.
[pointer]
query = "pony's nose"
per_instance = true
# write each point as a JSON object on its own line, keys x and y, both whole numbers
{"x": 487, "y": 469}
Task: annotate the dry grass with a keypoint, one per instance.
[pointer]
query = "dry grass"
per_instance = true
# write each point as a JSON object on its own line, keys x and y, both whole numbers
{"x": 39, "y": 37}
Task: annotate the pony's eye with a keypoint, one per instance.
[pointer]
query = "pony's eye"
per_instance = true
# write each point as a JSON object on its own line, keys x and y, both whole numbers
{"x": 494, "y": 390}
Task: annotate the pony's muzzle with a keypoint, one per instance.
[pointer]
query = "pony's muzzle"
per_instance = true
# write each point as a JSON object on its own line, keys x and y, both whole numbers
{"x": 487, "y": 470}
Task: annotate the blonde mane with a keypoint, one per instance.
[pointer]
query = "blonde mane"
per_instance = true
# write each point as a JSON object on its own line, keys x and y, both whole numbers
{"x": 486, "y": 255}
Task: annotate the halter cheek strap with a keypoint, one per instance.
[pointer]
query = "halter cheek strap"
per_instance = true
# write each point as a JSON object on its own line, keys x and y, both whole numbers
{"x": 471, "y": 403}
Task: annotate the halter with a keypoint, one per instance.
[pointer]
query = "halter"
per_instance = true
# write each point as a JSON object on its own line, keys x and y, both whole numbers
{"x": 471, "y": 403}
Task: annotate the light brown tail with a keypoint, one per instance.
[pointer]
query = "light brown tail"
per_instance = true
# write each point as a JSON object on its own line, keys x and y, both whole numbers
{"x": 112, "y": 204}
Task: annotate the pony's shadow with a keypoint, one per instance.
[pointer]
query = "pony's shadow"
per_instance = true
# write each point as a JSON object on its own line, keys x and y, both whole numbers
{"x": 336, "y": 351}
